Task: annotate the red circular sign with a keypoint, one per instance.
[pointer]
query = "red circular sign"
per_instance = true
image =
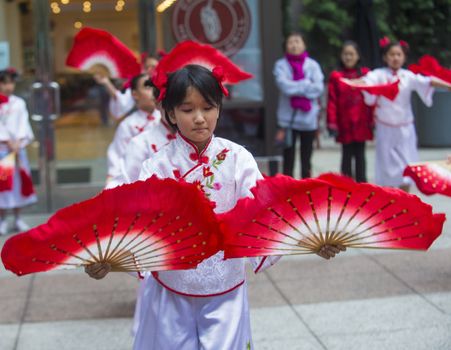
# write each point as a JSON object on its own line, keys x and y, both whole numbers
{"x": 224, "y": 24}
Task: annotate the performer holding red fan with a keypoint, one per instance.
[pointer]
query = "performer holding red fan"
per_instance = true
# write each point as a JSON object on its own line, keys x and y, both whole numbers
{"x": 16, "y": 187}
{"x": 396, "y": 139}
{"x": 214, "y": 293}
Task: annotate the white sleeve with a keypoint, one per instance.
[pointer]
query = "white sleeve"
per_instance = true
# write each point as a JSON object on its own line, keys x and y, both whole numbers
{"x": 121, "y": 103}
{"x": 147, "y": 170}
{"x": 24, "y": 132}
{"x": 117, "y": 148}
{"x": 134, "y": 157}
{"x": 371, "y": 78}
{"x": 422, "y": 85}
{"x": 246, "y": 176}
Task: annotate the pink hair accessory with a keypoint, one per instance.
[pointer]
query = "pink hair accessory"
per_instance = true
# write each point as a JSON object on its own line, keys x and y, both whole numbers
{"x": 218, "y": 73}
{"x": 384, "y": 41}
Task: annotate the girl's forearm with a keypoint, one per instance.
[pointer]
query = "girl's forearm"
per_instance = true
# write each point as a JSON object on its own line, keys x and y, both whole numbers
{"x": 439, "y": 83}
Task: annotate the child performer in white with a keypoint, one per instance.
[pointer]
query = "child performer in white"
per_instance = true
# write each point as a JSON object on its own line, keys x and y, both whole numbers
{"x": 141, "y": 147}
{"x": 396, "y": 139}
{"x": 144, "y": 118}
{"x": 15, "y": 135}
{"x": 207, "y": 307}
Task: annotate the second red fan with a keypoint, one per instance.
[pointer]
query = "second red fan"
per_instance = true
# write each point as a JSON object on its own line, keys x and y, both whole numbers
{"x": 289, "y": 216}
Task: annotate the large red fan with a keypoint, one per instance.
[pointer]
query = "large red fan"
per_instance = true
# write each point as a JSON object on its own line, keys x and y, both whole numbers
{"x": 389, "y": 91}
{"x": 431, "y": 177}
{"x": 148, "y": 225}
{"x": 95, "y": 47}
{"x": 429, "y": 66}
{"x": 7, "y": 166}
{"x": 289, "y": 216}
{"x": 190, "y": 52}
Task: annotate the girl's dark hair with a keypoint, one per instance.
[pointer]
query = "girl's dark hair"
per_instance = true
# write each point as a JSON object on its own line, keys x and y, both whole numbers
{"x": 8, "y": 74}
{"x": 194, "y": 76}
{"x": 135, "y": 80}
{"x": 359, "y": 63}
{"x": 387, "y": 48}
{"x": 288, "y": 36}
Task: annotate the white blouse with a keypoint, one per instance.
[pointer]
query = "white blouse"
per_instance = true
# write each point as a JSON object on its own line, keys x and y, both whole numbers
{"x": 225, "y": 172}
{"x": 14, "y": 122}
{"x": 398, "y": 112}
{"x": 139, "y": 149}
{"x": 130, "y": 127}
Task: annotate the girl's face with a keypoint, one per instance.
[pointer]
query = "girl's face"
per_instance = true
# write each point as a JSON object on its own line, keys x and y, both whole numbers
{"x": 195, "y": 118}
{"x": 295, "y": 45}
{"x": 7, "y": 87}
{"x": 144, "y": 97}
{"x": 149, "y": 65}
{"x": 395, "y": 57}
{"x": 349, "y": 56}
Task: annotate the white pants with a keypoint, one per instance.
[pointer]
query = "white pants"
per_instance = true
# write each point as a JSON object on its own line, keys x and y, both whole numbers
{"x": 169, "y": 321}
{"x": 396, "y": 147}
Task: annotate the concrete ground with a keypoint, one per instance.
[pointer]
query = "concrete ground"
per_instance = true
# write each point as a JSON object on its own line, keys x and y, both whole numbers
{"x": 360, "y": 300}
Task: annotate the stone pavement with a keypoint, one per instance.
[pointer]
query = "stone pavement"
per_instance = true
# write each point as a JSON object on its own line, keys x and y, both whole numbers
{"x": 363, "y": 299}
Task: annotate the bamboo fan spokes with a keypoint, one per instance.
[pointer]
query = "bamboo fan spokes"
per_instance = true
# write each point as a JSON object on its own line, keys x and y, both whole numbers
{"x": 124, "y": 227}
{"x": 143, "y": 245}
{"x": 302, "y": 222}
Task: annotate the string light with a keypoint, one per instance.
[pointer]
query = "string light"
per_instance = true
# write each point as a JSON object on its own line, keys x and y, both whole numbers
{"x": 164, "y": 5}
{"x": 78, "y": 25}
{"x": 119, "y": 5}
{"x": 55, "y": 7}
{"x": 64, "y": 2}
{"x": 87, "y": 6}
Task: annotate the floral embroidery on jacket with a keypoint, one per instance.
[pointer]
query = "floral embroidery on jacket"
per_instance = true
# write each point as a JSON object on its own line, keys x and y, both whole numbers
{"x": 209, "y": 175}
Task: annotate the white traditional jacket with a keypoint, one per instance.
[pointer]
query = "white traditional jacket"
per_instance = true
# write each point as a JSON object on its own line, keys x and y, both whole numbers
{"x": 139, "y": 149}
{"x": 14, "y": 122}
{"x": 397, "y": 112}
{"x": 225, "y": 172}
{"x": 130, "y": 127}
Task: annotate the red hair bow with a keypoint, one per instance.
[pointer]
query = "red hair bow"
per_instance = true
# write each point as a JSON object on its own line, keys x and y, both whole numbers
{"x": 161, "y": 82}
{"x": 384, "y": 41}
{"x": 404, "y": 44}
{"x": 218, "y": 73}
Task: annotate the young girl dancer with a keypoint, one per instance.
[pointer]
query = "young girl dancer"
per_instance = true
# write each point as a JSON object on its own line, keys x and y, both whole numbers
{"x": 300, "y": 82}
{"x": 144, "y": 118}
{"x": 396, "y": 139}
{"x": 207, "y": 307}
{"x": 15, "y": 135}
{"x": 347, "y": 115}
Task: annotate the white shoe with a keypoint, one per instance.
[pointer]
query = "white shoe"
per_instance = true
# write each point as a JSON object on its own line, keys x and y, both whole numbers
{"x": 3, "y": 227}
{"x": 21, "y": 226}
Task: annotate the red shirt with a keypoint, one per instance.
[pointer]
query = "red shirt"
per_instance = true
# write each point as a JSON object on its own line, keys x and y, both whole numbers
{"x": 346, "y": 110}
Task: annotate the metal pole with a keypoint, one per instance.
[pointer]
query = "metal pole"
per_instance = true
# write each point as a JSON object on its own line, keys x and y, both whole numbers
{"x": 44, "y": 95}
{"x": 147, "y": 30}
